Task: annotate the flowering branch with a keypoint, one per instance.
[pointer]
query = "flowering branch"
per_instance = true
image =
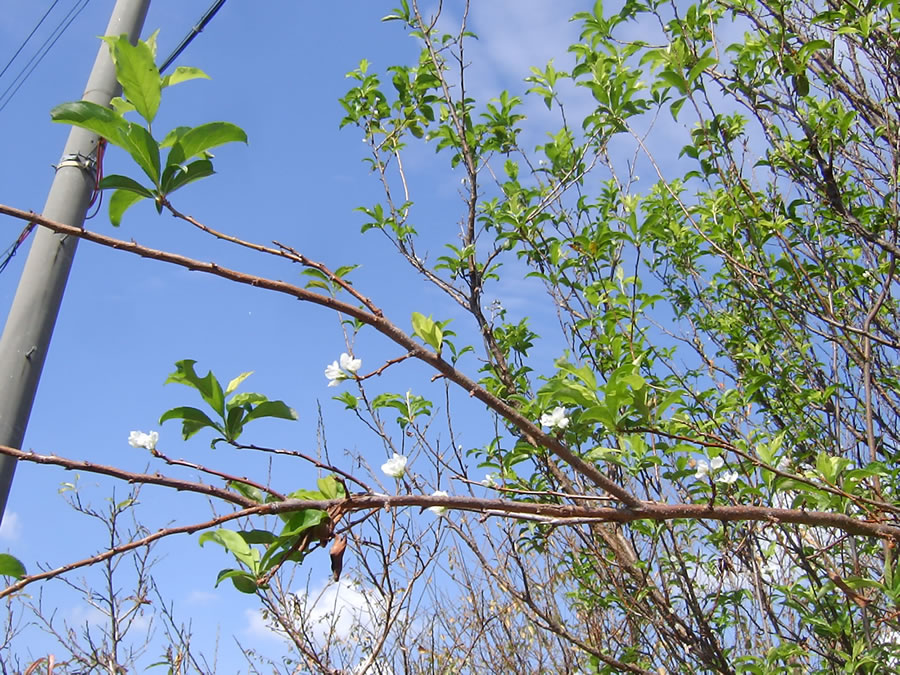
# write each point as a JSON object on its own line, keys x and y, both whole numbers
{"x": 532, "y": 433}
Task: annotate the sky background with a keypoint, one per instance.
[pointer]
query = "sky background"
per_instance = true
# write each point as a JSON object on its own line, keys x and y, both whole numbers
{"x": 278, "y": 70}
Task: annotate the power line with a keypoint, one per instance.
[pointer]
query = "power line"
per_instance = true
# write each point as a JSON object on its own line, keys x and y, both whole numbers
{"x": 39, "y": 55}
{"x": 25, "y": 41}
{"x": 205, "y": 19}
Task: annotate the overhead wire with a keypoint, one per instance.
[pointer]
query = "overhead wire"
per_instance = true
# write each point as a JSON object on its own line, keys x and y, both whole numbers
{"x": 205, "y": 19}
{"x": 25, "y": 41}
{"x": 39, "y": 55}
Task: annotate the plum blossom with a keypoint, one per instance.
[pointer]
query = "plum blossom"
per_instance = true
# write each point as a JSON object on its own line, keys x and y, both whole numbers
{"x": 556, "y": 418}
{"x": 395, "y": 467}
{"x": 705, "y": 469}
{"x": 334, "y": 374}
{"x": 702, "y": 470}
{"x": 350, "y": 364}
{"x": 138, "y": 439}
{"x": 337, "y": 371}
{"x": 438, "y": 510}
{"x": 728, "y": 477}
{"x": 490, "y": 480}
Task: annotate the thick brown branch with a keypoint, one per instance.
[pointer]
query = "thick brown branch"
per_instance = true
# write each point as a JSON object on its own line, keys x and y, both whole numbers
{"x": 529, "y": 429}
{"x": 129, "y": 476}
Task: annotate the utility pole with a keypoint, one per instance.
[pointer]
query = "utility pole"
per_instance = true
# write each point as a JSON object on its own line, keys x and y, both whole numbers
{"x": 29, "y": 326}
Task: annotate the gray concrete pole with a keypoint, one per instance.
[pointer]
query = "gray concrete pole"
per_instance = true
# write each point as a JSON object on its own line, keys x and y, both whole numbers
{"x": 29, "y": 326}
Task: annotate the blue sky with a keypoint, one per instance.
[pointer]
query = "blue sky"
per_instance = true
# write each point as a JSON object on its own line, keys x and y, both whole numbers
{"x": 277, "y": 70}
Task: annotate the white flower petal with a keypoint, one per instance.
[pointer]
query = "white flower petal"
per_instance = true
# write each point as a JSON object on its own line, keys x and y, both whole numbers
{"x": 556, "y": 418}
{"x": 702, "y": 470}
{"x": 350, "y": 364}
{"x": 716, "y": 463}
{"x": 138, "y": 439}
{"x": 728, "y": 477}
{"x": 395, "y": 467}
{"x": 333, "y": 371}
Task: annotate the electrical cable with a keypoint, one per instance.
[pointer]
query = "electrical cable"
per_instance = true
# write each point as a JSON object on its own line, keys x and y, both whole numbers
{"x": 25, "y": 41}
{"x": 11, "y": 251}
{"x": 58, "y": 31}
{"x": 205, "y": 19}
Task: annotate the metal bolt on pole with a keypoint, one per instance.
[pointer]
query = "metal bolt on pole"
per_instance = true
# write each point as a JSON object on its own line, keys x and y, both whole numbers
{"x": 32, "y": 316}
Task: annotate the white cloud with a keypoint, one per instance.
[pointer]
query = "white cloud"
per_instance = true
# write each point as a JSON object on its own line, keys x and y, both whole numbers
{"x": 258, "y": 627}
{"x": 11, "y": 527}
{"x": 327, "y": 610}
{"x": 85, "y": 615}
{"x": 335, "y": 608}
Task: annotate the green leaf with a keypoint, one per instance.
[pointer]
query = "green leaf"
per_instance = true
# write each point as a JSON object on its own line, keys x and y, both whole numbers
{"x": 277, "y": 409}
{"x": 426, "y": 328}
{"x": 193, "y": 420}
{"x": 303, "y": 520}
{"x": 176, "y": 177}
{"x": 234, "y": 423}
{"x": 236, "y": 382}
{"x": 235, "y": 544}
{"x": 183, "y": 74}
{"x": 137, "y": 73}
{"x": 143, "y": 149}
{"x": 244, "y": 582}
{"x": 200, "y": 139}
{"x": 102, "y": 121}
{"x": 125, "y": 183}
{"x": 246, "y": 398}
{"x": 258, "y": 537}
{"x": 120, "y": 105}
{"x": 11, "y": 567}
{"x": 347, "y": 399}
{"x": 120, "y": 201}
{"x": 248, "y": 491}
{"x": 208, "y": 386}
{"x": 133, "y": 138}
{"x": 173, "y": 136}
{"x": 330, "y": 487}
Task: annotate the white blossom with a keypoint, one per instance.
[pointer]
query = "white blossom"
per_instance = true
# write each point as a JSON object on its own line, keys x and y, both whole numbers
{"x": 395, "y": 467}
{"x": 438, "y": 510}
{"x": 702, "y": 470}
{"x": 556, "y": 418}
{"x": 705, "y": 469}
{"x": 138, "y": 439}
{"x": 350, "y": 364}
{"x": 490, "y": 480}
{"x": 334, "y": 374}
{"x": 728, "y": 477}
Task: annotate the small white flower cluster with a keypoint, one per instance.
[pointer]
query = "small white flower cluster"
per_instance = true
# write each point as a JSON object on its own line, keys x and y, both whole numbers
{"x": 335, "y": 372}
{"x": 705, "y": 469}
{"x": 555, "y": 419}
{"x": 138, "y": 439}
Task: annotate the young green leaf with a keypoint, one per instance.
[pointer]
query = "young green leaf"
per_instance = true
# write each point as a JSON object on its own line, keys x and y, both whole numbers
{"x": 198, "y": 140}
{"x": 193, "y": 420}
{"x": 208, "y": 386}
{"x": 430, "y": 332}
{"x": 137, "y": 73}
{"x": 120, "y": 201}
{"x": 11, "y": 567}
